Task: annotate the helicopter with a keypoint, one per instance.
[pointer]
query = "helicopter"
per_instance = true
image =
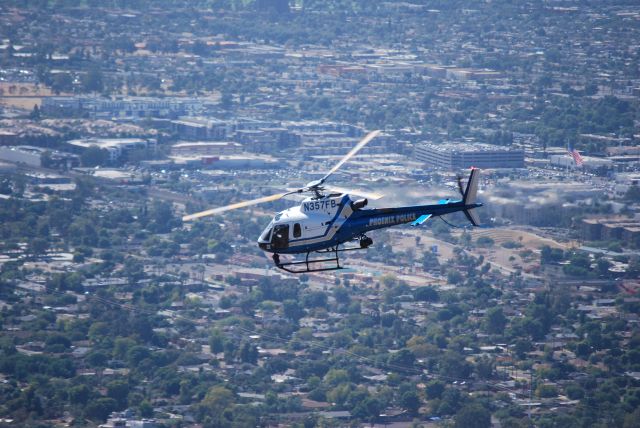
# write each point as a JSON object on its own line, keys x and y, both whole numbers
{"x": 331, "y": 217}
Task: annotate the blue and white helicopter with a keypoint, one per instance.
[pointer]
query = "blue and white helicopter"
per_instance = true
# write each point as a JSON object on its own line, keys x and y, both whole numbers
{"x": 328, "y": 219}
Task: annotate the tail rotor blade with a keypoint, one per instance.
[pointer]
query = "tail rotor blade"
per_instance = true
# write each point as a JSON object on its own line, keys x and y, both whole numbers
{"x": 460, "y": 186}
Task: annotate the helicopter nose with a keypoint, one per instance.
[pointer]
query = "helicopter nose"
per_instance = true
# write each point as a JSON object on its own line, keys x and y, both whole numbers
{"x": 262, "y": 245}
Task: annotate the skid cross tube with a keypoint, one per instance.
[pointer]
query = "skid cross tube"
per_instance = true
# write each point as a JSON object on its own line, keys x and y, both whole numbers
{"x": 306, "y": 262}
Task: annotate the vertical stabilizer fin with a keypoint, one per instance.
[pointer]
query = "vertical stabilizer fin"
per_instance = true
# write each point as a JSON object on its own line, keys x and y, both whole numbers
{"x": 472, "y": 187}
{"x": 470, "y": 195}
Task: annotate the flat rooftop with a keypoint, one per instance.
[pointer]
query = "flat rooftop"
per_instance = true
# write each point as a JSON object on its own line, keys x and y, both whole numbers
{"x": 467, "y": 147}
{"x": 206, "y": 144}
{"x": 105, "y": 143}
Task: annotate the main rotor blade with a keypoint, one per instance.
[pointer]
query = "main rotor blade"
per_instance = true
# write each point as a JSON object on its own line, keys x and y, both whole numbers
{"x": 233, "y": 206}
{"x": 370, "y": 136}
{"x": 369, "y": 195}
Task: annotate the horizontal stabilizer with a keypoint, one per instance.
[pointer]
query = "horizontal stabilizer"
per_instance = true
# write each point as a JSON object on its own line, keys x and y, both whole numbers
{"x": 421, "y": 219}
{"x": 472, "y": 216}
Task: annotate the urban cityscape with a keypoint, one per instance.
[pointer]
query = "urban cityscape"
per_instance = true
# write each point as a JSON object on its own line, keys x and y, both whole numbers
{"x": 119, "y": 118}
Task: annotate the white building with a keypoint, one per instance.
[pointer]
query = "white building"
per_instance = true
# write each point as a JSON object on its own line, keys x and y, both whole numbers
{"x": 117, "y": 147}
{"x": 206, "y": 148}
{"x": 22, "y": 154}
{"x": 452, "y": 156}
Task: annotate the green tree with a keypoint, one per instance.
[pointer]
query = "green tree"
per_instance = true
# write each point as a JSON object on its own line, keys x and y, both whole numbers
{"x": 434, "y": 389}
{"x": 546, "y": 391}
{"x": 453, "y": 365}
{"x": 79, "y": 394}
{"x": 100, "y": 408}
{"x": 35, "y": 113}
{"x": 136, "y": 354}
{"x": 226, "y": 101}
{"x": 341, "y": 295}
{"x": 550, "y": 255}
{"x": 574, "y": 392}
{"x": 92, "y": 81}
{"x": 98, "y": 332}
{"x": 495, "y": 321}
{"x": 162, "y": 216}
{"x": 402, "y": 360}
{"x": 62, "y": 82}
{"x": 248, "y": 353}
{"x": 94, "y": 156}
{"x": 273, "y": 6}
{"x": 216, "y": 341}
{"x": 335, "y": 377}
{"x": 118, "y": 390}
{"x": 340, "y": 394}
{"x": 473, "y": 416}
{"x": 602, "y": 267}
{"x": 292, "y": 310}
{"x": 633, "y": 194}
{"x": 454, "y": 277}
{"x": 368, "y": 409}
{"x": 485, "y": 242}
{"x": 411, "y": 402}
{"x": 485, "y": 367}
{"x": 146, "y": 409}
{"x": 426, "y": 294}
{"x": 215, "y": 406}
{"x": 38, "y": 246}
{"x": 315, "y": 299}
{"x": 97, "y": 358}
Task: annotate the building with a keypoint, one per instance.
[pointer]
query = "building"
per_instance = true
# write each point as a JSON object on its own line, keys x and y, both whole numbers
{"x": 472, "y": 74}
{"x": 625, "y": 230}
{"x": 591, "y": 229}
{"x": 200, "y": 128}
{"x": 452, "y": 156}
{"x": 626, "y": 181}
{"x": 8, "y": 138}
{"x": 592, "y": 164}
{"x": 265, "y": 140}
{"x": 247, "y": 161}
{"x": 31, "y": 156}
{"x": 118, "y": 148}
{"x": 122, "y": 107}
{"x": 206, "y": 148}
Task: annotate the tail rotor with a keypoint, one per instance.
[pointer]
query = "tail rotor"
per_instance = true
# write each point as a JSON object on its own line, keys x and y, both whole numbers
{"x": 460, "y": 186}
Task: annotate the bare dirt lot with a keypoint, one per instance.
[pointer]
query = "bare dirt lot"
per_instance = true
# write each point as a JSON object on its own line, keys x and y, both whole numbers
{"x": 22, "y": 95}
{"x": 512, "y": 249}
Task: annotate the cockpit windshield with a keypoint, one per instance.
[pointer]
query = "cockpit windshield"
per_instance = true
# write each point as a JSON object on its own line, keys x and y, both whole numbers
{"x": 266, "y": 235}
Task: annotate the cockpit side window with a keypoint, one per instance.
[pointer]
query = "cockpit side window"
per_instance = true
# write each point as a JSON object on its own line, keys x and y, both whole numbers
{"x": 297, "y": 230}
{"x": 280, "y": 238}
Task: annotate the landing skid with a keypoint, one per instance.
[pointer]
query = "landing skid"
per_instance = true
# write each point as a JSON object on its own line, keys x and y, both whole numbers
{"x": 306, "y": 263}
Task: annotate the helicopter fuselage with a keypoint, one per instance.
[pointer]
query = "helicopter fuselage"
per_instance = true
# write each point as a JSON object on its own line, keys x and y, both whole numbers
{"x": 325, "y": 222}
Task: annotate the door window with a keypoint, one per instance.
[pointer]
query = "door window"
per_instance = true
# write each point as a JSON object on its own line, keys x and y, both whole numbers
{"x": 297, "y": 230}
